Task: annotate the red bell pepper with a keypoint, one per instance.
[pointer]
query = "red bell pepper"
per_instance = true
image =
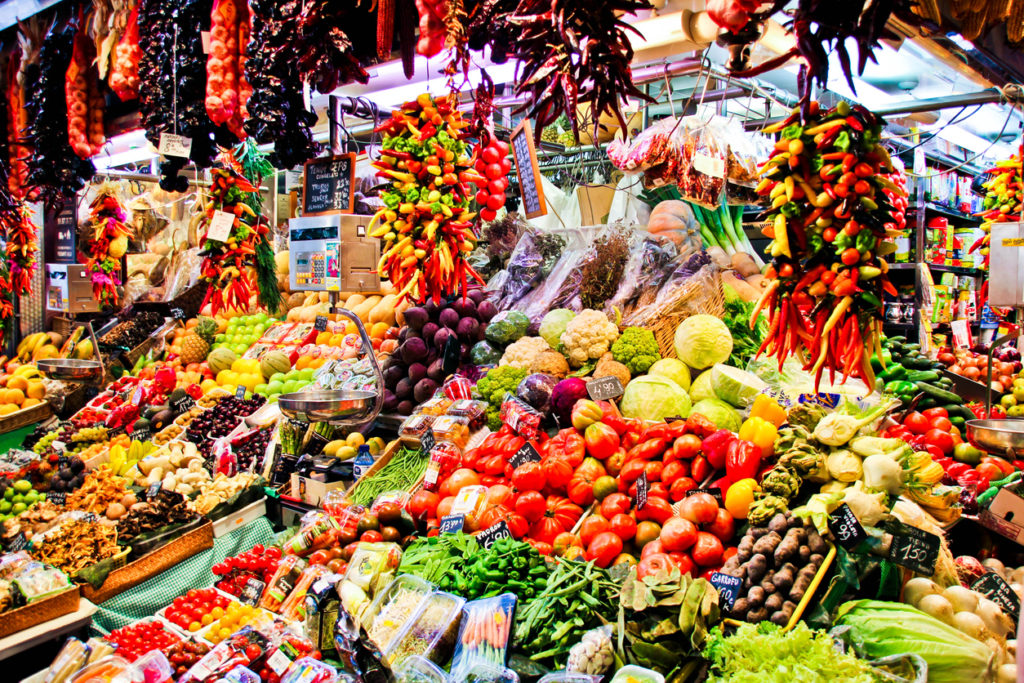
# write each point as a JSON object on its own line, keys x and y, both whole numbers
{"x": 715, "y": 447}
{"x": 701, "y": 469}
{"x": 742, "y": 460}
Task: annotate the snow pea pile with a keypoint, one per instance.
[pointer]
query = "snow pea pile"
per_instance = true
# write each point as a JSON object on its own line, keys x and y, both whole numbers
{"x": 826, "y": 183}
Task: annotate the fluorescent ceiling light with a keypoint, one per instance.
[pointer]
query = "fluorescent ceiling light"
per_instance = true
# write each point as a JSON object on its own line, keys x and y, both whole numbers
{"x": 392, "y": 97}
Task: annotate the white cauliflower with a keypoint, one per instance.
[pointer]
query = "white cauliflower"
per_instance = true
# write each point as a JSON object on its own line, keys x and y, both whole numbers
{"x": 588, "y": 336}
{"x": 521, "y": 353}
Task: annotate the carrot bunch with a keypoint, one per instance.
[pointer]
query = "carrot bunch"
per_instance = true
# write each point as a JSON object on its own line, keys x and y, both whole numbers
{"x": 227, "y": 91}
{"x": 124, "y": 76}
{"x": 829, "y": 193}
{"x": 84, "y": 101}
{"x": 230, "y": 267}
{"x": 106, "y": 242}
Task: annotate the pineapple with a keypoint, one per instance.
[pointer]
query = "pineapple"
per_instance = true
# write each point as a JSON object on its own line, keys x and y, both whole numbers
{"x": 196, "y": 344}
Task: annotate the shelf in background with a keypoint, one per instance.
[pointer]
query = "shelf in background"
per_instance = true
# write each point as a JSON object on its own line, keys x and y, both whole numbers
{"x": 956, "y": 270}
{"x": 949, "y": 212}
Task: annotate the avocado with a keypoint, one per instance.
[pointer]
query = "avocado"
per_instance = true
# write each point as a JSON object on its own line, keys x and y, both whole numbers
{"x": 176, "y": 395}
{"x": 153, "y": 411}
{"x": 161, "y": 419}
{"x": 141, "y": 423}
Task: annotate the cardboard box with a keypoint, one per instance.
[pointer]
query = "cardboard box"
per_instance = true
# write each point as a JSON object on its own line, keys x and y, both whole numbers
{"x": 1005, "y": 515}
{"x": 595, "y": 203}
{"x": 312, "y": 491}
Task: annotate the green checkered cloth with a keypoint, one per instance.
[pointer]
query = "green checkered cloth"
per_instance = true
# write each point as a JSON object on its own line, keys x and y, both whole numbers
{"x": 148, "y": 598}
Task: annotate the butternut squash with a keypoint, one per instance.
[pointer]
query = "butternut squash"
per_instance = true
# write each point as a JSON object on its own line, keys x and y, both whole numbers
{"x": 363, "y": 309}
{"x": 384, "y": 312}
{"x": 354, "y": 300}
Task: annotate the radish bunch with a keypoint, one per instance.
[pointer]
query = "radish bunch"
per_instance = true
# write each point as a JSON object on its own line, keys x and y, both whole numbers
{"x": 492, "y": 163}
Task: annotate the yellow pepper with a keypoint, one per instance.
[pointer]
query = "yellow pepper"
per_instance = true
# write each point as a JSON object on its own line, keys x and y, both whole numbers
{"x": 768, "y": 409}
{"x": 761, "y": 433}
{"x": 739, "y": 497}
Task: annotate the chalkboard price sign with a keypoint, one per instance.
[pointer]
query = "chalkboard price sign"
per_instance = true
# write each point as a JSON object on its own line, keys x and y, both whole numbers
{"x": 488, "y": 536}
{"x": 728, "y": 587}
{"x": 992, "y": 586}
{"x": 327, "y": 185}
{"x": 525, "y": 155}
{"x": 915, "y": 549}
{"x": 451, "y": 524}
{"x": 526, "y": 453}
{"x": 604, "y": 388}
{"x": 846, "y": 528}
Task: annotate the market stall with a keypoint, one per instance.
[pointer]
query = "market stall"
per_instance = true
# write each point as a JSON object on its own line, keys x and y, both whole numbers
{"x": 652, "y": 342}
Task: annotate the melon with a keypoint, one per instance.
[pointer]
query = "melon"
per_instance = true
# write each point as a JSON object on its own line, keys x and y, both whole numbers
{"x": 273, "y": 362}
{"x": 221, "y": 359}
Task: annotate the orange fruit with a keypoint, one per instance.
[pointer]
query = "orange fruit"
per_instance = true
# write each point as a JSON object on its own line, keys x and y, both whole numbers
{"x": 29, "y": 402}
{"x": 36, "y": 390}
{"x": 17, "y": 382}
{"x": 192, "y": 322}
{"x": 208, "y": 385}
{"x": 302, "y": 362}
{"x": 8, "y": 408}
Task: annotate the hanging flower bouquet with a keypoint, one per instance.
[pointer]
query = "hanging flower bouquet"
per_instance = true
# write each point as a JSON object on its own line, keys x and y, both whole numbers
{"x": 106, "y": 242}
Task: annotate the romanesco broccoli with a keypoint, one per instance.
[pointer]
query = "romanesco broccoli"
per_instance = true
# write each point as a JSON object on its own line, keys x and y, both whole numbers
{"x": 499, "y": 381}
{"x": 637, "y": 349}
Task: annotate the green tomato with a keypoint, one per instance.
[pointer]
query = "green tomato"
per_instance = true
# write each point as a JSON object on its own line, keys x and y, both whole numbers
{"x": 5, "y": 506}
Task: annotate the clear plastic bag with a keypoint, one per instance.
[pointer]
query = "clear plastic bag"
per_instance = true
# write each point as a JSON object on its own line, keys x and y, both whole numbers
{"x": 647, "y": 150}
{"x": 704, "y": 156}
{"x": 746, "y": 149}
{"x": 484, "y": 634}
{"x": 531, "y": 261}
{"x": 560, "y": 289}
{"x": 649, "y": 263}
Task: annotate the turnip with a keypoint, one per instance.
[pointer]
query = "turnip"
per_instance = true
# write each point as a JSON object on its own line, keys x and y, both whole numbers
{"x": 969, "y": 624}
{"x": 917, "y": 588}
{"x": 962, "y": 599}
{"x": 937, "y": 606}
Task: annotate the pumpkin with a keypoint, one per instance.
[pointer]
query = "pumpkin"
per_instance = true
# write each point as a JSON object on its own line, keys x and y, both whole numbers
{"x": 221, "y": 359}
{"x": 674, "y": 218}
{"x": 273, "y": 362}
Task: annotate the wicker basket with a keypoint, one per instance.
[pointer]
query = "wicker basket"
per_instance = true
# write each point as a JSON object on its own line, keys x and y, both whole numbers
{"x": 25, "y": 417}
{"x": 151, "y": 564}
{"x": 701, "y": 293}
{"x": 40, "y": 611}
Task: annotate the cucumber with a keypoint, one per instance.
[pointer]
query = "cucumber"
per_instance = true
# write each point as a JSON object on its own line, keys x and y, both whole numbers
{"x": 922, "y": 376}
{"x": 912, "y": 347}
{"x": 938, "y": 394}
{"x": 944, "y": 382}
{"x": 898, "y": 338}
{"x": 959, "y": 410}
{"x": 957, "y": 421}
{"x": 926, "y": 403}
{"x": 917, "y": 363}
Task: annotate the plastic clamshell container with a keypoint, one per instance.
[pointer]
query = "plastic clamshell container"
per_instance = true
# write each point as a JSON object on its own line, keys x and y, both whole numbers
{"x": 385, "y": 617}
{"x": 431, "y": 633}
{"x": 413, "y": 429}
{"x": 101, "y": 670}
{"x": 435, "y": 406}
{"x": 152, "y": 666}
{"x": 637, "y": 674}
{"x": 262, "y": 619}
{"x": 416, "y": 669}
{"x": 178, "y": 630}
{"x": 473, "y": 411}
{"x": 488, "y": 673}
{"x": 568, "y": 677}
{"x": 451, "y": 428}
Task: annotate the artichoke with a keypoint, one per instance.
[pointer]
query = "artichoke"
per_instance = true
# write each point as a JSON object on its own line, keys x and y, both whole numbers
{"x": 806, "y": 415}
{"x": 781, "y": 481}
{"x": 764, "y": 507}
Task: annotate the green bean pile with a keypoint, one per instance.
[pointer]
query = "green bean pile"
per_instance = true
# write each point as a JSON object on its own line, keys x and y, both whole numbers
{"x": 403, "y": 470}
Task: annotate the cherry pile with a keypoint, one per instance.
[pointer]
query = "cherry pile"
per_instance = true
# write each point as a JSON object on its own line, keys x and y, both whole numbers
{"x": 258, "y": 563}
{"x": 250, "y": 448}
{"x": 494, "y": 165}
{"x": 135, "y": 640}
{"x": 196, "y": 609}
{"x": 219, "y": 420}
{"x": 183, "y": 655}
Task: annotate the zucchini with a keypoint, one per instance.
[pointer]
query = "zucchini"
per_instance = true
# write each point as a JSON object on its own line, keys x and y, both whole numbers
{"x": 922, "y": 376}
{"x": 898, "y": 338}
{"x": 944, "y": 382}
{"x": 938, "y": 394}
{"x": 917, "y": 363}
{"x": 959, "y": 410}
{"x": 912, "y": 347}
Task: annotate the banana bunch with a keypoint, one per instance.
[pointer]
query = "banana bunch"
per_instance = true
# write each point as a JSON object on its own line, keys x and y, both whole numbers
{"x": 28, "y": 372}
{"x": 28, "y": 346}
{"x": 123, "y": 459}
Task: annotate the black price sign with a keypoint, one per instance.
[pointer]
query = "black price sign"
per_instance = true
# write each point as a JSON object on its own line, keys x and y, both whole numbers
{"x": 452, "y": 354}
{"x": 115, "y": 431}
{"x": 19, "y": 542}
{"x": 177, "y": 313}
{"x": 240, "y": 391}
{"x": 715, "y": 493}
{"x": 142, "y": 433}
{"x": 320, "y": 324}
{"x": 846, "y": 528}
{"x": 992, "y": 586}
{"x": 526, "y": 453}
{"x": 488, "y": 536}
{"x": 915, "y": 549}
{"x": 327, "y": 185}
{"x": 452, "y": 524}
{"x": 728, "y": 587}
{"x": 642, "y": 487}
{"x": 427, "y": 441}
{"x": 57, "y": 497}
{"x": 180, "y": 405}
{"x": 153, "y": 489}
{"x": 60, "y": 229}
{"x": 251, "y": 591}
{"x": 525, "y": 155}
{"x": 605, "y": 388}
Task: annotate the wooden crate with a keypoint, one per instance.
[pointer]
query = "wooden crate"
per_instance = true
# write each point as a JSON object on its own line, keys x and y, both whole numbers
{"x": 25, "y": 417}
{"x": 37, "y": 612}
{"x": 151, "y": 564}
{"x": 380, "y": 464}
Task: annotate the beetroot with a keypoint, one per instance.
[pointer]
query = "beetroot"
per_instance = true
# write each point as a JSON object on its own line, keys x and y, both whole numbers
{"x": 429, "y": 330}
{"x": 476, "y": 295}
{"x": 436, "y": 371}
{"x": 405, "y": 407}
{"x": 413, "y": 350}
{"x": 485, "y": 311}
{"x": 432, "y": 309}
{"x": 424, "y": 389}
{"x": 403, "y": 389}
{"x": 390, "y": 402}
{"x": 564, "y": 397}
{"x": 393, "y": 375}
{"x": 416, "y": 317}
{"x": 417, "y": 371}
{"x": 442, "y": 337}
{"x": 449, "y": 318}
{"x": 465, "y": 308}
{"x": 468, "y": 329}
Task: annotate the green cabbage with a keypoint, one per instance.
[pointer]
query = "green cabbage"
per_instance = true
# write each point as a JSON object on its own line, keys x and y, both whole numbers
{"x": 703, "y": 340}
{"x": 701, "y": 387}
{"x": 652, "y": 397}
{"x": 506, "y": 327}
{"x": 735, "y": 386}
{"x": 673, "y": 369}
{"x": 552, "y": 325}
{"x": 879, "y": 629}
{"x": 718, "y": 411}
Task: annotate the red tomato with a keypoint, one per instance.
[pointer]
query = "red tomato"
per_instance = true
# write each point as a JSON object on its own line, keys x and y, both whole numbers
{"x": 623, "y": 526}
{"x": 604, "y": 548}
{"x": 615, "y": 503}
{"x": 685, "y": 564}
{"x": 723, "y": 527}
{"x": 652, "y": 564}
{"x": 482, "y": 196}
{"x": 652, "y": 548}
{"x": 700, "y": 508}
{"x": 444, "y": 507}
{"x": 940, "y": 439}
{"x": 563, "y": 542}
{"x": 371, "y": 536}
{"x": 687, "y": 446}
{"x": 678, "y": 534}
{"x": 490, "y": 155}
{"x": 493, "y": 171}
{"x": 916, "y": 422}
{"x": 528, "y": 477}
{"x": 531, "y": 506}
{"x": 557, "y": 471}
{"x": 632, "y": 470}
{"x": 499, "y": 494}
{"x": 674, "y": 470}
{"x": 656, "y": 509}
{"x": 990, "y": 471}
{"x": 679, "y": 488}
{"x": 591, "y": 527}
{"x": 423, "y": 504}
{"x": 495, "y": 201}
{"x": 497, "y": 186}
{"x": 933, "y": 413}
{"x": 707, "y": 551}
{"x": 319, "y": 557}
{"x": 654, "y": 470}
{"x": 488, "y": 214}
{"x": 461, "y": 478}
{"x": 941, "y": 423}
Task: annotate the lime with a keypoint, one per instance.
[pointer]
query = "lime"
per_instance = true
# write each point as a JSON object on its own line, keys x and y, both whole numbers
{"x": 18, "y": 498}
{"x": 18, "y": 508}
{"x": 307, "y": 374}
{"x": 9, "y": 493}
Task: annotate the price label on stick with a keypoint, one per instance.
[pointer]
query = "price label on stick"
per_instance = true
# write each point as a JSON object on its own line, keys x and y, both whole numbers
{"x": 240, "y": 391}
{"x": 846, "y": 528}
{"x": 488, "y": 536}
{"x": 220, "y": 226}
{"x": 715, "y": 493}
{"x": 427, "y": 441}
{"x": 915, "y": 549}
{"x": 252, "y": 591}
{"x": 175, "y": 145}
{"x": 177, "y": 313}
{"x": 728, "y": 587}
{"x": 57, "y": 497}
{"x": 605, "y": 388}
{"x": 642, "y": 487}
{"x": 992, "y": 586}
{"x": 320, "y": 324}
{"x": 451, "y": 524}
{"x": 526, "y": 453}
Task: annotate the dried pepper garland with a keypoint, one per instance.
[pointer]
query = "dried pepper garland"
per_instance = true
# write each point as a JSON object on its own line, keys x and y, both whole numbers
{"x": 489, "y": 26}
{"x": 54, "y": 170}
{"x": 575, "y": 53}
{"x": 829, "y": 216}
{"x": 229, "y": 265}
{"x": 324, "y": 50}
{"x": 426, "y": 224}
{"x": 277, "y": 113}
{"x": 84, "y": 101}
{"x": 107, "y": 234}
{"x": 22, "y": 247}
{"x": 254, "y": 167}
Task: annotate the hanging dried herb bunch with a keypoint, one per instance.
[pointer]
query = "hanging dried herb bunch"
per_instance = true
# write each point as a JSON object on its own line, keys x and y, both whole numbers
{"x": 325, "y": 53}
{"x": 602, "y": 268}
{"x": 575, "y": 53}
{"x": 54, "y": 170}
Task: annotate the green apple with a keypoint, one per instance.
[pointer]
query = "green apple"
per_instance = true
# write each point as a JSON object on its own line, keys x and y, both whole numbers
{"x": 272, "y": 398}
{"x": 1007, "y": 401}
{"x": 275, "y": 386}
{"x": 9, "y": 493}
{"x": 290, "y": 387}
{"x": 260, "y": 389}
{"x": 5, "y": 506}
{"x": 307, "y": 374}
{"x": 1015, "y": 411}
{"x": 22, "y": 486}
{"x": 278, "y": 377}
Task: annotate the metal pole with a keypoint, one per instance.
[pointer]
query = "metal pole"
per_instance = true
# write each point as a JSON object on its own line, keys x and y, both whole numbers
{"x": 151, "y": 178}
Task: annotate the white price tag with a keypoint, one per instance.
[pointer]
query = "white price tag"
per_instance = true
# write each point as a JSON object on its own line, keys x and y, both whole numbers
{"x": 58, "y": 446}
{"x": 205, "y": 37}
{"x": 175, "y": 145}
{"x": 712, "y": 166}
{"x": 278, "y": 662}
{"x": 307, "y": 96}
{"x": 961, "y": 334}
{"x": 220, "y": 226}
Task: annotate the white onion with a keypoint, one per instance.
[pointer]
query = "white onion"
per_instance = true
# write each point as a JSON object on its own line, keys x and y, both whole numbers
{"x": 1017, "y": 575}
{"x": 937, "y": 606}
{"x": 1011, "y": 648}
{"x": 970, "y": 624}
{"x": 962, "y": 599}
{"x": 995, "y": 621}
{"x": 995, "y": 565}
{"x": 917, "y": 588}
{"x": 1007, "y": 673}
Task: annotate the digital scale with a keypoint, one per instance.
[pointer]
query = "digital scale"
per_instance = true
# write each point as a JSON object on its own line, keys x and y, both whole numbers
{"x": 332, "y": 253}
